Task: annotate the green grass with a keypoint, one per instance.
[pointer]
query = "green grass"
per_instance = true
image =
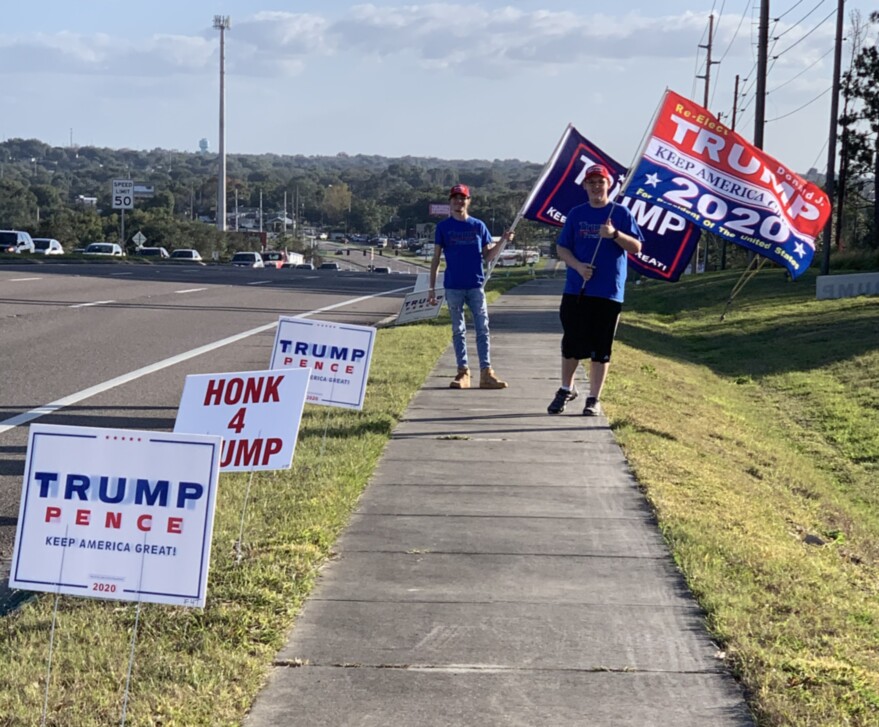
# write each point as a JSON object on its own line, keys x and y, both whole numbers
{"x": 756, "y": 440}
{"x": 204, "y": 667}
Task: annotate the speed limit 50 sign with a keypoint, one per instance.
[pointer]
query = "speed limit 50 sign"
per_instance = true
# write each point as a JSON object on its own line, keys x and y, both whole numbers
{"x": 123, "y": 194}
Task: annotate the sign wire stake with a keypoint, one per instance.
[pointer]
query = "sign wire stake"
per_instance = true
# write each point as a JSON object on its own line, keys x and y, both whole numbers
{"x": 52, "y": 634}
{"x": 133, "y": 638}
{"x": 238, "y": 555}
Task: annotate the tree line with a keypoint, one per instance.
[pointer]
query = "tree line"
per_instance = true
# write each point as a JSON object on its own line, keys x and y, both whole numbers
{"x": 45, "y": 189}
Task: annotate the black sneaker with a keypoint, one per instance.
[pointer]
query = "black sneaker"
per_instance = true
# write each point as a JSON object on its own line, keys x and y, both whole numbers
{"x": 562, "y": 397}
{"x": 592, "y": 408}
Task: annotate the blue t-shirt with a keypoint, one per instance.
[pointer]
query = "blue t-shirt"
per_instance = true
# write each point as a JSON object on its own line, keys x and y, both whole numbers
{"x": 462, "y": 244}
{"x": 580, "y": 236}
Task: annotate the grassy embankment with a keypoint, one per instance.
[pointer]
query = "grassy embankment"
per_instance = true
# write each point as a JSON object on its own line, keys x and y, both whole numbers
{"x": 756, "y": 439}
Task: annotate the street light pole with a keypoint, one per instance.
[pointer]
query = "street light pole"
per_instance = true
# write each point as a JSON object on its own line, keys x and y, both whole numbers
{"x": 221, "y": 23}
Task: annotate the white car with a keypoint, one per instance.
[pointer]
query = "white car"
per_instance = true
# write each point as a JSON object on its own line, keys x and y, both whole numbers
{"x": 186, "y": 255}
{"x": 47, "y": 246}
{"x": 247, "y": 260}
{"x": 15, "y": 241}
{"x": 104, "y": 248}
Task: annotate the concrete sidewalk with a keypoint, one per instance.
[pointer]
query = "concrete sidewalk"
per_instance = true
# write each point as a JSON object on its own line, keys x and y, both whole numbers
{"x": 502, "y": 569}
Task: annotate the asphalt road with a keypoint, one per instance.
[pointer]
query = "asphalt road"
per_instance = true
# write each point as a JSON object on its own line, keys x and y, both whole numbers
{"x": 67, "y": 328}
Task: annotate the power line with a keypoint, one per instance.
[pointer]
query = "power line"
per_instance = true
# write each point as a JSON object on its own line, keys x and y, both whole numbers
{"x": 798, "y": 2}
{"x": 808, "y": 103}
{"x": 823, "y": 149}
{"x": 799, "y": 21}
{"x": 732, "y": 40}
{"x": 811, "y": 65}
{"x": 797, "y": 42}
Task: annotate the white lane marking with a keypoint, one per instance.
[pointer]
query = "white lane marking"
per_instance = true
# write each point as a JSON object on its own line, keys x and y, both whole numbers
{"x": 190, "y": 290}
{"x": 118, "y": 275}
{"x": 88, "y": 305}
{"x": 260, "y": 282}
{"x": 21, "y": 280}
{"x": 79, "y": 396}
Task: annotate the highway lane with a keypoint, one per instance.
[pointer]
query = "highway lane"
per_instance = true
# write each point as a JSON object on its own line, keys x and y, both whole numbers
{"x": 67, "y": 328}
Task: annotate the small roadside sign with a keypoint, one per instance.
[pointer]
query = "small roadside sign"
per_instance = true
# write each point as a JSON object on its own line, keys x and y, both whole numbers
{"x": 338, "y": 356}
{"x": 256, "y": 412}
{"x": 118, "y": 514}
{"x": 123, "y": 194}
{"x": 416, "y": 307}
{"x": 139, "y": 238}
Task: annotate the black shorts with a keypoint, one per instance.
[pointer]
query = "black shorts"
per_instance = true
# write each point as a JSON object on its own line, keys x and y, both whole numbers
{"x": 589, "y": 325}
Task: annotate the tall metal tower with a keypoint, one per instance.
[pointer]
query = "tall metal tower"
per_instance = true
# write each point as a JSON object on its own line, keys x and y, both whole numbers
{"x": 221, "y": 23}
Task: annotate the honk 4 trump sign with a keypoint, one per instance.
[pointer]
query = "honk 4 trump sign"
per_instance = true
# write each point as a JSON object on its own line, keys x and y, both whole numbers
{"x": 256, "y": 412}
{"x": 338, "y": 355}
{"x": 116, "y": 514}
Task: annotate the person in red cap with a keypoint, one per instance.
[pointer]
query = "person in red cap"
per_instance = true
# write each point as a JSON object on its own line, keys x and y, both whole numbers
{"x": 593, "y": 244}
{"x": 466, "y": 243}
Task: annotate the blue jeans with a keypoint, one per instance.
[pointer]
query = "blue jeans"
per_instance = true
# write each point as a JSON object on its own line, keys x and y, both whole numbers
{"x": 474, "y": 298}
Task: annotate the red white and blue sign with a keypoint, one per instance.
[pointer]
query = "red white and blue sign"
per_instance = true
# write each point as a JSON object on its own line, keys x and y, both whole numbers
{"x": 694, "y": 165}
{"x": 668, "y": 239}
{"x": 338, "y": 354}
{"x": 117, "y": 514}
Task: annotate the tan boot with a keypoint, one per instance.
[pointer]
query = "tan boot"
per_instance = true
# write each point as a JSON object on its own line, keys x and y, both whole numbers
{"x": 487, "y": 380}
{"x": 462, "y": 380}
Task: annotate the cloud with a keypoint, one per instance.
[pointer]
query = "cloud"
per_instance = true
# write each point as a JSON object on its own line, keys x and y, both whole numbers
{"x": 444, "y": 38}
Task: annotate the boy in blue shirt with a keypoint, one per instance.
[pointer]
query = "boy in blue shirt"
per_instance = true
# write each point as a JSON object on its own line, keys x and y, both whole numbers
{"x": 466, "y": 243}
{"x": 593, "y": 244}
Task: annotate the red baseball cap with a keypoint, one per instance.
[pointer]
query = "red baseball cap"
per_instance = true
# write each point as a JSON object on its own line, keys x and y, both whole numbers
{"x": 459, "y": 189}
{"x": 598, "y": 170}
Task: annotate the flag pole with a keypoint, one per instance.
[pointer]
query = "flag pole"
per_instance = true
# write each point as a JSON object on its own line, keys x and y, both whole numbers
{"x": 743, "y": 280}
{"x": 521, "y": 213}
{"x": 643, "y": 145}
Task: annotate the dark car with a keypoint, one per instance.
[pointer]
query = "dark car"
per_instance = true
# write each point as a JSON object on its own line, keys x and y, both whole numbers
{"x": 159, "y": 252}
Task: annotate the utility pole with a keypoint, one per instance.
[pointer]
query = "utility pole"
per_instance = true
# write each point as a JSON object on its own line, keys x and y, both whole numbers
{"x": 735, "y": 105}
{"x": 708, "y": 61}
{"x": 831, "y": 144}
{"x": 762, "y": 53}
{"x": 735, "y": 109}
{"x": 221, "y": 23}
{"x": 707, "y": 77}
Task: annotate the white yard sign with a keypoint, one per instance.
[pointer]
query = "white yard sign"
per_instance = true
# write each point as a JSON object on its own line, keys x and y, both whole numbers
{"x": 117, "y": 514}
{"x": 338, "y": 355}
{"x": 257, "y": 413}
{"x": 416, "y": 307}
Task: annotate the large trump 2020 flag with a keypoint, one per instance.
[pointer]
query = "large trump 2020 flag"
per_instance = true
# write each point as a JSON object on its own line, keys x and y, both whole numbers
{"x": 694, "y": 165}
{"x": 668, "y": 239}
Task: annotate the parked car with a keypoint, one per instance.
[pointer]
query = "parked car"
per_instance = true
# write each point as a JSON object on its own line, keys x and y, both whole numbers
{"x": 15, "y": 241}
{"x": 47, "y": 246}
{"x": 276, "y": 259}
{"x": 247, "y": 260}
{"x": 381, "y": 269}
{"x": 159, "y": 252}
{"x": 330, "y": 266}
{"x": 104, "y": 248}
{"x": 304, "y": 266}
{"x": 186, "y": 254}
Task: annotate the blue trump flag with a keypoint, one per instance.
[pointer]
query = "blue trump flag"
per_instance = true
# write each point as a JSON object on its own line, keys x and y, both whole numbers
{"x": 668, "y": 238}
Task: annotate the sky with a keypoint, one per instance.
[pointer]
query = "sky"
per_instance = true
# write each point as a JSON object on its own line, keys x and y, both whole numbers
{"x": 479, "y": 80}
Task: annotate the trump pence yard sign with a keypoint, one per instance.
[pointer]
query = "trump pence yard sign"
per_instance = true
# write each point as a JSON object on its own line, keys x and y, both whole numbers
{"x": 256, "y": 412}
{"x": 338, "y": 355}
{"x": 116, "y": 514}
